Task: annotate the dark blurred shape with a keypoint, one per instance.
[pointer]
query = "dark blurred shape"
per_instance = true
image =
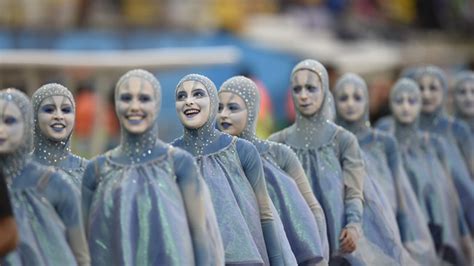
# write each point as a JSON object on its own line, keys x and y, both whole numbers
{"x": 428, "y": 12}
{"x": 8, "y": 230}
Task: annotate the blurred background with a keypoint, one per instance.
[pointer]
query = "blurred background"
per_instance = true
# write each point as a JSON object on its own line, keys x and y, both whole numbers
{"x": 87, "y": 44}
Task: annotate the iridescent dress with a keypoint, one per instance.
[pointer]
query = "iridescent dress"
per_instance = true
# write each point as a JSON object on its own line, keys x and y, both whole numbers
{"x": 457, "y": 136}
{"x": 384, "y": 164}
{"x": 424, "y": 159}
{"x": 233, "y": 172}
{"x": 335, "y": 169}
{"x": 48, "y": 218}
{"x": 287, "y": 184}
{"x": 56, "y": 153}
{"x": 146, "y": 204}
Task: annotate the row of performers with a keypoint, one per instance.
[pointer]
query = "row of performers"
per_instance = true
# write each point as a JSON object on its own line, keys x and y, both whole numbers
{"x": 315, "y": 193}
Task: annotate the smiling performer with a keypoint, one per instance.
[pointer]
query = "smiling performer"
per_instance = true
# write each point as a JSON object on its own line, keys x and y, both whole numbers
{"x": 464, "y": 98}
{"x": 288, "y": 186}
{"x": 233, "y": 171}
{"x": 144, "y": 201}
{"x": 54, "y": 117}
{"x": 425, "y": 162}
{"x": 384, "y": 164}
{"x": 48, "y": 218}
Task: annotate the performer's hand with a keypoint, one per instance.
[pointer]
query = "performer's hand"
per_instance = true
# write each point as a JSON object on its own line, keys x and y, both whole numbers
{"x": 348, "y": 240}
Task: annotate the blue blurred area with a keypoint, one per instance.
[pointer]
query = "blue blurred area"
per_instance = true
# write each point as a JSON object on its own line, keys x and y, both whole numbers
{"x": 270, "y": 67}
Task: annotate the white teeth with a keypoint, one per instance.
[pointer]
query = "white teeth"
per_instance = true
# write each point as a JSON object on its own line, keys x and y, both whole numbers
{"x": 58, "y": 126}
{"x": 135, "y": 117}
{"x": 191, "y": 112}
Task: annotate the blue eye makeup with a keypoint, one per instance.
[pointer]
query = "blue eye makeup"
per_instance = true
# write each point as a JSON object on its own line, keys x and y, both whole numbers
{"x": 48, "y": 109}
{"x": 126, "y": 97}
{"x": 199, "y": 93}
{"x": 412, "y": 100}
{"x": 297, "y": 89}
{"x": 311, "y": 88}
{"x": 181, "y": 95}
{"x": 66, "y": 110}
{"x": 10, "y": 120}
{"x": 144, "y": 98}
{"x": 234, "y": 107}
{"x": 343, "y": 98}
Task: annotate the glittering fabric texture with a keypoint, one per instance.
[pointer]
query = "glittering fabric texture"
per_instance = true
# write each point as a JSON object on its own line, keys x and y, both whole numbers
{"x": 298, "y": 220}
{"x": 232, "y": 170}
{"x": 384, "y": 166}
{"x": 334, "y": 165}
{"x": 424, "y": 159}
{"x": 460, "y": 154}
{"x": 56, "y": 153}
{"x": 145, "y": 202}
{"x": 44, "y": 210}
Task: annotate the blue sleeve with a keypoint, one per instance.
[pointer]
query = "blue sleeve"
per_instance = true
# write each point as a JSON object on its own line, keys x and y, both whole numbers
{"x": 253, "y": 169}
{"x": 65, "y": 200}
{"x": 353, "y": 173}
{"x": 207, "y": 242}
{"x": 466, "y": 144}
{"x": 89, "y": 185}
{"x": 411, "y": 222}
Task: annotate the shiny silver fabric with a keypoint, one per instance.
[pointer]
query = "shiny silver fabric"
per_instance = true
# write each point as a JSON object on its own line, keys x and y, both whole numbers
{"x": 145, "y": 202}
{"x": 299, "y": 220}
{"x": 56, "y": 153}
{"x": 384, "y": 166}
{"x": 47, "y": 216}
{"x": 424, "y": 158}
{"x": 334, "y": 165}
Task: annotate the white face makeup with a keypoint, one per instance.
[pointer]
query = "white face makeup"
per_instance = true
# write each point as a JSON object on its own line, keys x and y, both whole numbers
{"x": 193, "y": 104}
{"x": 136, "y": 105}
{"x": 351, "y": 102}
{"x": 307, "y": 91}
{"x": 405, "y": 107}
{"x": 431, "y": 93}
{"x": 56, "y": 117}
{"x": 232, "y": 115}
{"x": 464, "y": 98}
{"x": 12, "y": 127}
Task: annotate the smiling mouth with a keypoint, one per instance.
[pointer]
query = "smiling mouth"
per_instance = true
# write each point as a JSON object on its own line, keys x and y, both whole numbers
{"x": 135, "y": 118}
{"x": 58, "y": 127}
{"x": 190, "y": 113}
{"x": 225, "y": 125}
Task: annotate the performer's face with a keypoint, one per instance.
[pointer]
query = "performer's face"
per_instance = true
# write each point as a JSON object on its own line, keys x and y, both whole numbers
{"x": 136, "y": 105}
{"x": 464, "y": 98}
{"x": 193, "y": 104}
{"x": 351, "y": 102}
{"x": 12, "y": 127}
{"x": 431, "y": 93}
{"x": 307, "y": 92}
{"x": 56, "y": 117}
{"x": 406, "y": 107}
{"x": 232, "y": 115}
